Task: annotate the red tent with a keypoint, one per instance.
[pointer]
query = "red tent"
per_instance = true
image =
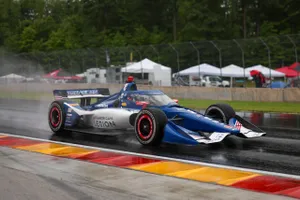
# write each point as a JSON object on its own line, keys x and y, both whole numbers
{"x": 294, "y": 66}
{"x": 54, "y": 75}
{"x": 289, "y": 72}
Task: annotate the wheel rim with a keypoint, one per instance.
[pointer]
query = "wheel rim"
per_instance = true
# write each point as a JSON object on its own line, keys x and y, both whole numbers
{"x": 145, "y": 127}
{"x": 55, "y": 117}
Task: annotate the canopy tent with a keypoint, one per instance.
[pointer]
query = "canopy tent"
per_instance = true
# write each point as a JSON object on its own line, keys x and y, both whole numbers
{"x": 10, "y": 78}
{"x": 203, "y": 69}
{"x": 144, "y": 66}
{"x": 157, "y": 73}
{"x": 295, "y": 66}
{"x": 55, "y": 75}
{"x": 287, "y": 71}
{"x": 265, "y": 71}
{"x": 234, "y": 71}
{"x": 52, "y": 74}
{"x": 13, "y": 76}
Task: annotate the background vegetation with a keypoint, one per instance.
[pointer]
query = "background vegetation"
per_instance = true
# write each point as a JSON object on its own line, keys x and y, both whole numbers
{"x": 76, "y": 31}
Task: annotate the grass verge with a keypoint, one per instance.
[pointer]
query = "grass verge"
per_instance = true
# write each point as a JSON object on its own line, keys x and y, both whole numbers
{"x": 284, "y": 107}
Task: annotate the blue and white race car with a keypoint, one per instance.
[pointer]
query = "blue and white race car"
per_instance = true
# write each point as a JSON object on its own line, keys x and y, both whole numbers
{"x": 150, "y": 114}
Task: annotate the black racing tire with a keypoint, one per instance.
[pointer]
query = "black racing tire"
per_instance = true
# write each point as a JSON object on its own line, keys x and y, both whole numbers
{"x": 149, "y": 126}
{"x": 56, "y": 117}
{"x": 220, "y": 112}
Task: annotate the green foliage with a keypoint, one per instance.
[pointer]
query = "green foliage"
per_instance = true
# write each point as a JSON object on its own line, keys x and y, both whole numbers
{"x": 54, "y": 25}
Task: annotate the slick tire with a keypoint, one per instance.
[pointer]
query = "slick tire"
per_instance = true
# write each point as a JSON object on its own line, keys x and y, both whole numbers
{"x": 220, "y": 112}
{"x": 149, "y": 126}
{"x": 56, "y": 117}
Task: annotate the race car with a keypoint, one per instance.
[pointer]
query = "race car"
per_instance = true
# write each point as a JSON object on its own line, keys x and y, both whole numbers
{"x": 152, "y": 116}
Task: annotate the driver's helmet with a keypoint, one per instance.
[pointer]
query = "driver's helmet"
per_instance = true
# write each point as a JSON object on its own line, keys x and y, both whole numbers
{"x": 130, "y": 79}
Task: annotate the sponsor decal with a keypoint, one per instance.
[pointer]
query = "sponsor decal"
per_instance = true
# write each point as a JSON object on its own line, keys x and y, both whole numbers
{"x": 102, "y": 105}
{"x": 74, "y": 104}
{"x": 82, "y": 92}
{"x": 217, "y": 136}
{"x": 104, "y": 122}
{"x": 69, "y": 110}
{"x": 124, "y": 104}
{"x": 69, "y": 115}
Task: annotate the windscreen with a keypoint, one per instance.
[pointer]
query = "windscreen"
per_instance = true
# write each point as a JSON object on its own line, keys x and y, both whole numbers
{"x": 151, "y": 99}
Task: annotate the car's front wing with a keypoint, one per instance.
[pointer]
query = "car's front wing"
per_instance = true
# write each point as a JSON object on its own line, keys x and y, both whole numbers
{"x": 179, "y": 135}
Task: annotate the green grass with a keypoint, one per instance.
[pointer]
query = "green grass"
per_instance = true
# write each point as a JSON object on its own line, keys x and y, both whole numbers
{"x": 286, "y": 107}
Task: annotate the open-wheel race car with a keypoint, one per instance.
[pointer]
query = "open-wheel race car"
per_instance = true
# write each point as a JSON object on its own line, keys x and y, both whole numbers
{"x": 153, "y": 116}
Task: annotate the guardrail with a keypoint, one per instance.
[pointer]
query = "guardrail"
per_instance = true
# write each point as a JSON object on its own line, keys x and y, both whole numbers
{"x": 237, "y": 94}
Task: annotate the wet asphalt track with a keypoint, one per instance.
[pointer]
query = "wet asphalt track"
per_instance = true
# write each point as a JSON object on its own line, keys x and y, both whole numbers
{"x": 279, "y": 151}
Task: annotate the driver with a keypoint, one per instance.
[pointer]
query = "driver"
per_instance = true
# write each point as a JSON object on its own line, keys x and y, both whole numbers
{"x": 130, "y": 84}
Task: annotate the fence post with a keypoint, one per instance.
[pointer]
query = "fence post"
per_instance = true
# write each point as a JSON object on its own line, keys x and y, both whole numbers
{"x": 198, "y": 59}
{"x": 125, "y": 63}
{"x": 96, "y": 59}
{"x": 295, "y": 47}
{"x": 82, "y": 68}
{"x": 177, "y": 54}
{"x": 269, "y": 56}
{"x": 107, "y": 57}
{"x": 220, "y": 55}
{"x": 57, "y": 57}
{"x": 140, "y": 61}
{"x": 38, "y": 61}
{"x": 155, "y": 52}
{"x": 243, "y": 59}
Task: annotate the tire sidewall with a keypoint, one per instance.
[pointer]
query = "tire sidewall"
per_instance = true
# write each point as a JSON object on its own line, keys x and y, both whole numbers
{"x": 59, "y": 127}
{"x": 154, "y": 124}
{"x": 224, "y": 118}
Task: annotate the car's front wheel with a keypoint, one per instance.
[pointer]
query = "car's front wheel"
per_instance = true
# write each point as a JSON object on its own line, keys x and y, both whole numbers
{"x": 220, "y": 112}
{"x": 149, "y": 126}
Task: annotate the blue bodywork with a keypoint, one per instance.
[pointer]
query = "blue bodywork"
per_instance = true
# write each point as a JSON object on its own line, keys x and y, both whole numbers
{"x": 183, "y": 123}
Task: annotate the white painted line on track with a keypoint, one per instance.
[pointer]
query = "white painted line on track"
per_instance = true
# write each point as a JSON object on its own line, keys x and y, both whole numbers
{"x": 161, "y": 157}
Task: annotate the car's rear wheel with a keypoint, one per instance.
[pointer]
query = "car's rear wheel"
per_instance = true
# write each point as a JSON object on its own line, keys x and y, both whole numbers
{"x": 149, "y": 126}
{"x": 56, "y": 117}
{"x": 220, "y": 112}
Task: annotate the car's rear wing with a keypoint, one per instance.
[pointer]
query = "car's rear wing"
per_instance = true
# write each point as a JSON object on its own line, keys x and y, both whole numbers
{"x": 83, "y": 94}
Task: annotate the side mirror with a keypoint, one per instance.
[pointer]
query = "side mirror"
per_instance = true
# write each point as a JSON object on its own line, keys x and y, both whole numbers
{"x": 175, "y": 100}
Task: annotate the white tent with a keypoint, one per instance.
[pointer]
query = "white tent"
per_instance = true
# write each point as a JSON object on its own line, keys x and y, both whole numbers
{"x": 11, "y": 78}
{"x": 265, "y": 71}
{"x": 203, "y": 69}
{"x": 234, "y": 71}
{"x": 158, "y": 73}
{"x": 144, "y": 66}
